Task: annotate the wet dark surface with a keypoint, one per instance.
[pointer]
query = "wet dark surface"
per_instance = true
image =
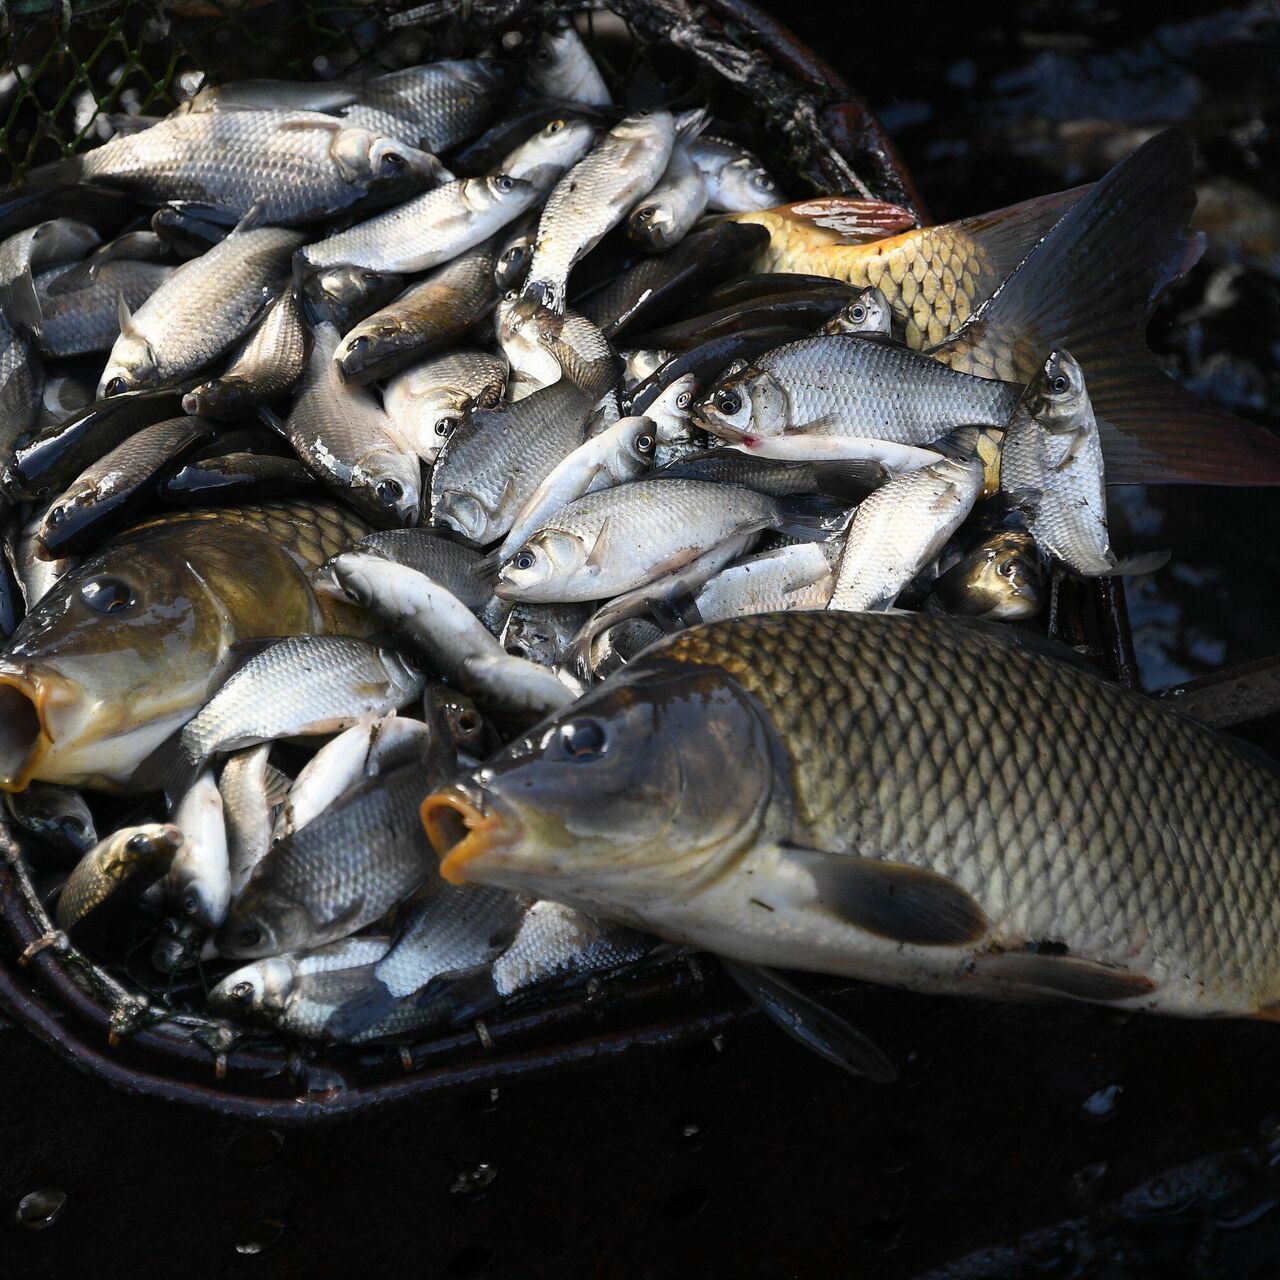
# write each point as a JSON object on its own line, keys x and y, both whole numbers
{"x": 1020, "y": 1142}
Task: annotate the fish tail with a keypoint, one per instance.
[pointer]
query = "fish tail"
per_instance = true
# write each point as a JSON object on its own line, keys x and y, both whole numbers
{"x": 1089, "y": 286}
{"x": 810, "y": 516}
{"x": 360, "y": 1012}
{"x": 57, "y": 173}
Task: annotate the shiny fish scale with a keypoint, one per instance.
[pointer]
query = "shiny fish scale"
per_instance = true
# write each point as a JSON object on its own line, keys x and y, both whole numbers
{"x": 84, "y": 320}
{"x": 916, "y": 741}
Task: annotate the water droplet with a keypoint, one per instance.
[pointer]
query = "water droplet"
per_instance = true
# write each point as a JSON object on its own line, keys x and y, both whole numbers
{"x": 1099, "y": 1107}
{"x": 40, "y": 1209}
{"x": 262, "y": 1234}
{"x": 252, "y": 1147}
{"x": 690, "y": 1130}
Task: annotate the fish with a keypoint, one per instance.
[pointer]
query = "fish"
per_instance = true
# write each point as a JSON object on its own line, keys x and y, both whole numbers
{"x": 114, "y": 490}
{"x": 1001, "y": 579}
{"x": 545, "y": 155}
{"x": 57, "y": 817}
{"x": 618, "y": 454}
{"x": 593, "y": 197}
{"x": 543, "y": 633}
{"x": 901, "y": 528}
{"x": 798, "y": 576}
{"x": 491, "y": 465}
{"x": 852, "y": 386}
{"x": 342, "y": 871}
{"x": 426, "y": 318}
{"x": 429, "y": 229}
{"x": 671, "y": 210}
{"x": 251, "y": 790}
{"x": 429, "y": 401}
{"x": 301, "y": 685}
{"x": 198, "y": 882}
{"x": 343, "y": 295}
{"x": 514, "y": 254}
{"x": 235, "y": 477}
{"x": 736, "y": 180}
{"x": 1051, "y": 464}
{"x": 287, "y": 168}
{"x": 542, "y": 346}
{"x": 128, "y": 860}
{"x": 616, "y": 540}
{"x": 199, "y": 311}
{"x": 85, "y": 320}
{"x": 838, "y": 839}
{"x": 266, "y": 366}
{"x": 561, "y": 67}
{"x": 368, "y": 748}
{"x": 341, "y": 433}
{"x": 867, "y": 313}
{"x": 125, "y": 648}
{"x": 448, "y": 634}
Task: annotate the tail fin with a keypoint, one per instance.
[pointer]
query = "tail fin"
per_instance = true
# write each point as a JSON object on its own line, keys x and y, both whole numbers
{"x": 811, "y": 516}
{"x": 1090, "y": 286}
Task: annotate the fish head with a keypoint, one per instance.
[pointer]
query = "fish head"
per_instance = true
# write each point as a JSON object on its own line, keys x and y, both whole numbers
{"x": 260, "y": 989}
{"x": 671, "y": 411}
{"x": 1056, "y": 397}
{"x": 747, "y": 403}
{"x": 480, "y": 76}
{"x": 659, "y": 775}
{"x": 498, "y": 189}
{"x": 638, "y": 439}
{"x": 342, "y": 294}
{"x": 564, "y": 140}
{"x": 513, "y": 265}
{"x": 868, "y": 312}
{"x": 263, "y": 923}
{"x": 131, "y": 364}
{"x": 654, "y": 225}
{"x": 387, "y": 483}
{"x": 366, "y": 158}
{"x": 646, "y": 127}
{"x": 125, "y": 648}
{"x": 748, "y": 186}
{"x": 464, "y": 513}
{"x": 537, "y": 570}
{"x": 132, "y": 849}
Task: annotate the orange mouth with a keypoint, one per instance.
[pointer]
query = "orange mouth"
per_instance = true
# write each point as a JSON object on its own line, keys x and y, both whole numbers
{"x": 460, "y": 832}
{"x": 24, "y": 732}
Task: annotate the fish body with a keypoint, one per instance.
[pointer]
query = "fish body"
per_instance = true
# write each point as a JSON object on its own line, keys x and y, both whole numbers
{"x": 200, "y": 310}
{"x": 797, "y": 576}
{"x": 247, "y": 786}
{"x": 561, "y": 67}
{"x": 763, "y": 789}
{"x": 127, "y": 860}
{"x": 87, "y": 319}
{"x": 436, "y": 554}
{"x": 199, "y": 878}
{"x": 124, "y": 649}
{"x": 429, "y": 401}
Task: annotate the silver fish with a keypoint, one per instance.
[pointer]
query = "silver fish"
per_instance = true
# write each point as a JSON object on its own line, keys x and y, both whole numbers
{"x": 491, "y": 465}
{"x": 430, "y": 228}
{"x": 798, "y": 576}
{"x": 562, "y": 68}
{"x": 343, "y": 436}
{"x": 78, "y": 321}
{"x": 343, "y": 295}
{"x": 594, "y": 196}
{"x": 668, "y": 213}
{"x": 301, "y": 685}
{"x": 900, "y": 528}
{"x": 199, "y": 311}
{"x": 250, "y": 790}
{"x": 287, "y": 167}
{"x": 543, "y": 346}
{"x": 868, "y": 312}
{"x": 543, "y": 633}
{"x": 199, "y": 878}
{"x": 429, "y": 401}
{"x": 736, "y": 180}
{"x": 543, "y": 157}
{"x": 268, "y": 364}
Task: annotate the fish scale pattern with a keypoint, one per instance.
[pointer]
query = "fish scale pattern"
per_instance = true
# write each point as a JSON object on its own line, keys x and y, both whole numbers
{"x": 1072, "y": 810}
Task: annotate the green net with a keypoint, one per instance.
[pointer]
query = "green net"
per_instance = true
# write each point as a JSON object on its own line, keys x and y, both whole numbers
{"x": 69, "y": 68}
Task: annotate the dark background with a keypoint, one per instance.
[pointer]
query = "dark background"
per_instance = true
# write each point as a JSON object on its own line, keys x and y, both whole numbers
{"x": 1034, "y": 1142}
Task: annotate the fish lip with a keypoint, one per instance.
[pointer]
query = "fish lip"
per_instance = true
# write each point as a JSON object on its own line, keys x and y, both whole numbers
{"x": 485, "y": 832}
{"x": 25, "y": 736}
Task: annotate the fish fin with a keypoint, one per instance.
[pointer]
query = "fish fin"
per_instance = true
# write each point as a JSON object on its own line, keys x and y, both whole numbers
{"x": 169, "y": 769}
{"x": 1141, "y": 562}
{"x": 690, "y": 124}
{"x": 893, "y": 900}
{"x": 124, "y": 317}
{"x": 848, "y": 479}
{"x": 1062, "y": 975}
{"x": 252, "y": 216}
{"x": 809, "y": 516}
{"x": 275, "y": 786}
{"x": 20, "y": 304}
{"x": 270, "y": 418}
{"x": 1089, "y": 286}
{"x": 361, "y": 1012}
{"x": 947, "y": 500}
{"x": 122, "y": 124}
{"x": 599, "y": 554}
{"x": 810, "y": 1023}
{"x": 488, "y": 565}
{"x": 855, "y": 221}
{"x": 676, "y": 611}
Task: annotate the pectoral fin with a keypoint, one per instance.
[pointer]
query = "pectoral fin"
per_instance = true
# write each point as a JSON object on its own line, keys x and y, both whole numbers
{"x": 893, "y": 900}
{"x": 1041, "y": 974}
{"x": 599, "y": 554}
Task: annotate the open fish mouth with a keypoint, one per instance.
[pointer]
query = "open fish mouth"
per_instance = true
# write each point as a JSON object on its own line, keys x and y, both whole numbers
{"x": 25, "y": 736}
{"x": 461, "y": 831}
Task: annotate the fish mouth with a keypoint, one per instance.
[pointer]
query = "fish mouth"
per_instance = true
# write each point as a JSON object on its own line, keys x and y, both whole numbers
{"x": 461, "y": 831}
{"x": 25, "y": 736}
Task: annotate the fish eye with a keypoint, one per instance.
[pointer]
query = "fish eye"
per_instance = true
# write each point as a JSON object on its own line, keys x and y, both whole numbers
{"x": 57, "y": 515}
{"x": 762, "y": 182}
{"x": 190, "y": 904}
{"x": 242, "y": 990}
{"x": 555, "y": 126}
{"x": 105, "y": 594}
{"x": 1059, "y": 383}
{"x": 643, "y": 215}
{"x": 137, "y": 844}
{"x": 389, "y": 492}
{"x": 525, "y": 560}
{"x": 469, "y": 721}
{"x": 43, "y": 491}
{"x": 371, "y": 278}
{"x": 115, "y": 387}
{"x": 684, "y": 399}
{"x": 728, "y": 402}
{"x": 583, "y": 739}
{"x": 1007, "y": 569}
{"x": 644, "y": 443}
{"x": 445, "y": 426}
{"x": 394, "y": 164}
{"x": 511, "y": 295}
{"x": 250, "y": 936}
{"x": 503, "y": 183}
{"x": 858, "y": 313}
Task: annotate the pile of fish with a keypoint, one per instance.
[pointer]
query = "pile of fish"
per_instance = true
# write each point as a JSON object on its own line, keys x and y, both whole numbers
{"x": 363, "y": 427}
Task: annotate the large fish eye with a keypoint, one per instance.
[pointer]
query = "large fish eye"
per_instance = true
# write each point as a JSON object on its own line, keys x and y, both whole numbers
{"x": 644, "y": 443}
{"x": 190, "y": 904}
{"x": 394, "y": 164}
{"x": 389, "y": 492}
{"x": 242, "y": 990}
{"x": 250, "y": 936}
{"x": 525, "y": 560}
{"x": 555, "y": 126}
{"x": 105, "y": 594}
{"x": 371, "y": 278}
{"x": 511, "y": 295}
{"x": 57, "y": 515}
{"x": 643, "y": 215}
{"x": 115, "y": 387}
{"x": 728, "y": 402}
{"x": 583, "y": 739}
{"x": 1059, "y": 383}
{"x": 858, "y": 313}
{"x": 762, "y": 182}
{"x": 503, "y": 183}
{"x": 445, "y": 426}
{"x": 684, "y": 399}
{"x": 137, "y": 844}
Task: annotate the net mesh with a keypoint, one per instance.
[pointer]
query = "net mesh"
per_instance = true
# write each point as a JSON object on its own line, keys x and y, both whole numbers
{"x": 70, "y": 68}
